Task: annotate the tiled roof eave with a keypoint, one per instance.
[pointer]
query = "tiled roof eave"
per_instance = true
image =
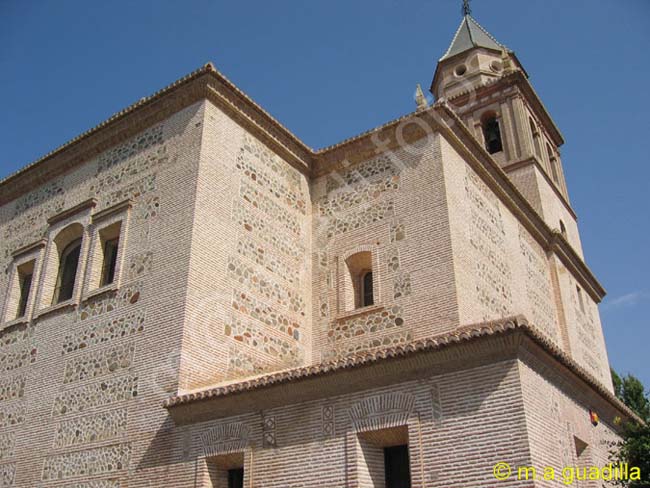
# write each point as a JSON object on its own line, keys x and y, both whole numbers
{"x": 463, "y": 335}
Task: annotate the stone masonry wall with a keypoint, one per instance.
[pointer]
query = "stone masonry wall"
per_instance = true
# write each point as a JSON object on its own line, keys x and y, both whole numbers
{"x": 453, "y": 436}
{"x": 249, "y": 302}
{"x": 555, "y": 417}
{"x": 501, "y": 270}
{"x": 392, "y": 205}
{"x": 81, "y": 386}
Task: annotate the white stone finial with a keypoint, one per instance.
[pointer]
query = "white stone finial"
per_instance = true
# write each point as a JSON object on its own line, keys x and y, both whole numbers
{"x": 420, "y": 99}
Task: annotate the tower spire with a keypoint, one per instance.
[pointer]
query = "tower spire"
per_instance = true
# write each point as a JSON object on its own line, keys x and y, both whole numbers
{"x": 467, "y": 10}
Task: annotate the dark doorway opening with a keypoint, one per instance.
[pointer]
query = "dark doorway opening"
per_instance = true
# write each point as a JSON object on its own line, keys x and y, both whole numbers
{"x": 396, "y": 467}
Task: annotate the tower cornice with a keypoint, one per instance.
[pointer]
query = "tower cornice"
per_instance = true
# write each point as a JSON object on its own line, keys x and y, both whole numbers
{"x": 520, "y": 79}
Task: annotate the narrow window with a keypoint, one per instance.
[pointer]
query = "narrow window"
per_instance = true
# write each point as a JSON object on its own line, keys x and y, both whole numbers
{"x": 553, "y": 162}
{"x": 368, "y": 297}
{"x": 68, "y": 264}
{"x": 25, "y": 274}
{"x": 563, "y": 229}
{"x": 535, "y": 132}
{"x": 492, "y": 134}
{"x": 236, "y": 478}
{"x": 109, "y": 262}
{"x": 359, "y": 290}
{"x": 580, "y": 300}
{"x": 396, "y": 467}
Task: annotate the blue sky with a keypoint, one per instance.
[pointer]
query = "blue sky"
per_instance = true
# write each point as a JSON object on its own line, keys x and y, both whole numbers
{"x": 331, "y": 69}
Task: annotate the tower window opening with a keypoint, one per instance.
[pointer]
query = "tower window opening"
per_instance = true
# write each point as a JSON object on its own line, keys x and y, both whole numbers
{"x": 492, "y": 134}
{"x": 581, "y": 301}
{"x": 535, "y": 133}
{"x": 109, "y": 240}
{"x": 110, "y": 260}
{"x": 68, "y": 246}
{"x": 367, "y": 296}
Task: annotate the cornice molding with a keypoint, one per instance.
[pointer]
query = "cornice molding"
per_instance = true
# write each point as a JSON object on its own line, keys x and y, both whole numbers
{"x": 119, "y": 207}
{"x": 29, "y": 248}
{"x": 69, "y": 212}
{"x": 475, "y": 154}
{"x": 534, "y": 161}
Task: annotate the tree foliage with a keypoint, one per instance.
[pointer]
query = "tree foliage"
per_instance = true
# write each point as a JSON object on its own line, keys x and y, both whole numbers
{"x": 635, "y": 446}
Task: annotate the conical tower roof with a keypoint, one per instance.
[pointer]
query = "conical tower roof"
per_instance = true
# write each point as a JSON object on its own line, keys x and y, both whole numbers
{"x": 469, "y": 35}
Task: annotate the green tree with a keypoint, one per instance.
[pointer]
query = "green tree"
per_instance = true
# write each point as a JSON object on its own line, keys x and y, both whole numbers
{"x": 618, "y": 383}
{"x": 634, "y": 449}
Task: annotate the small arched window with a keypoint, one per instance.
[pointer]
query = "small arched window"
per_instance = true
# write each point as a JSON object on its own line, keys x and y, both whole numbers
{"x": 359, "y": 289}
{"x": 68, "y": 264}
{"x": 491, "y": 133}
{"x": 65, "y": 262}
{"x": 367, "y": 296}
{"x": 563, "y": 229}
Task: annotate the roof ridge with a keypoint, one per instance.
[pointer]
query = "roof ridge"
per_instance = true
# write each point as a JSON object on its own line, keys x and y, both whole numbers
{"x": 471, "y": 38}
{"x": 485, "y": 31}
{"x": 453, "y": 40}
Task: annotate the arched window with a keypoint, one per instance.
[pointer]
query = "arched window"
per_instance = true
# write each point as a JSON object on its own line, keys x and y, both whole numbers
{"x": 359, "y": 289}
{"x": 491, "y": 133}
{"x": 563, "y": 229}
{"x": 367, "y": 297}
{"x": 68, "y": 249}
{"x": 68, "y": 264}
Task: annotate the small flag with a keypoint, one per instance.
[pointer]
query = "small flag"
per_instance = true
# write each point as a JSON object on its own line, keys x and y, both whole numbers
{"x": 593, "y": 416}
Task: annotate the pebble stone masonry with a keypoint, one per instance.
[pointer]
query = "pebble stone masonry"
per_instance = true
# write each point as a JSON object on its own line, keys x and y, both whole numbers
{"x": 232, "y": 333}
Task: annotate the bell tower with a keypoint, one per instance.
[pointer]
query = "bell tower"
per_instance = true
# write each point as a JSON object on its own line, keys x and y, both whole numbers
{"x": 486, "y": 85}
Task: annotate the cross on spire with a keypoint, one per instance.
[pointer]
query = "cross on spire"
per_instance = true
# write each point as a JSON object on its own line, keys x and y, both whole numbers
{"x": 467, "y": 10}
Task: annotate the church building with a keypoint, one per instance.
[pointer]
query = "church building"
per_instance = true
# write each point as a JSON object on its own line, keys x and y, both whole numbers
{"x": 192, "y": 297}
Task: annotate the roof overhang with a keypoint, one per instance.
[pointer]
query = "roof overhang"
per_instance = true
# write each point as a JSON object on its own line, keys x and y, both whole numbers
{"x": 469, "y": 347}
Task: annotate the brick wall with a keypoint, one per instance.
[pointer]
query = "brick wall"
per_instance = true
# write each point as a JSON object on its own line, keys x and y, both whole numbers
{"x": 84, "y": 382}
{"x": 233, "y": 263}
{"x": 249, "y": 301}
{"x": 394, "y": 206}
